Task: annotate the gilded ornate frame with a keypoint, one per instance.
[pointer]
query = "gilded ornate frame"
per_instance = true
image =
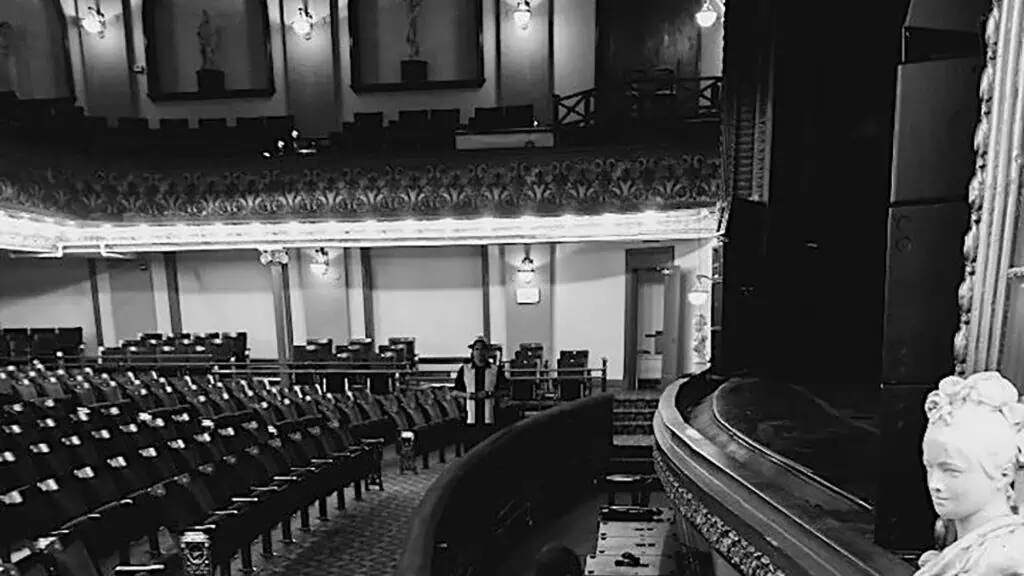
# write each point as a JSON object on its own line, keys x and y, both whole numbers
{"x": 994, "y": 193}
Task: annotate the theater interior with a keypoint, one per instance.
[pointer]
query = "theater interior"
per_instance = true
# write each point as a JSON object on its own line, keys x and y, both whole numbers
{"x": 704, "y": 261}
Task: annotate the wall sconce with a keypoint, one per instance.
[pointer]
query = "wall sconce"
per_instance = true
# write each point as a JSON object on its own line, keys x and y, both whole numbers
{"x": 707, "y": 16}
{"x": 522, "y": 14}
{"x": 303, "y": 24}
{"x": 95, "y": 22}
{"x": 526, "y": 271}
{"x": 701, "y": 292}
{"x": 321, "y": 262}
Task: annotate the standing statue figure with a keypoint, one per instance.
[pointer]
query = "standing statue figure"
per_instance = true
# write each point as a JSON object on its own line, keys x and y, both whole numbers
{"x": 412, "y": 11}
{"x": 209, "y": 41}
{"x": 973, "y": 450}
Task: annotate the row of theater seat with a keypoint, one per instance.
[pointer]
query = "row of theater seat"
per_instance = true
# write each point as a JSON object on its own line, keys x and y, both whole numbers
{"x": 96, "y": 461}
{"x": 41, "y": 342}
{"x": 59, "y": 120}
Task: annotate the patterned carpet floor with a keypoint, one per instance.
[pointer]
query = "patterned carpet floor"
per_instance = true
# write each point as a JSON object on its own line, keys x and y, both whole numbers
{"x": 366, "y": 539}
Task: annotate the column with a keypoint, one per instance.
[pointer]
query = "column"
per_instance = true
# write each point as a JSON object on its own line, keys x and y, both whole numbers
{"x": 993, "y": 194}
{"x": 105, "y": 301}
{"x": 354, "y": 289}
{"x": 161, "y": 294}
{"x": 297, "y": 296}
{"x": 495, "y": 300}
{"x": 276, "y": 262}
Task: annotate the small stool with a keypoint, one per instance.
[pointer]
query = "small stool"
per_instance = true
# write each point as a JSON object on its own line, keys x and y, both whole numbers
{"x": 407, "y": 452}
{"x": 638, "y": 486}
{"x": 376, "y": 477}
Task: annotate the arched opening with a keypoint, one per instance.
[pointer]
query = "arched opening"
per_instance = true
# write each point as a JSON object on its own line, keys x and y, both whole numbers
{"x": 34, "y": 61}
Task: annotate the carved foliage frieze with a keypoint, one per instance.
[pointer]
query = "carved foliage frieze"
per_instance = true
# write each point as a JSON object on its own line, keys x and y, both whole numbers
{"x": 510, "y": 184}
{"x": 734, "y": 548}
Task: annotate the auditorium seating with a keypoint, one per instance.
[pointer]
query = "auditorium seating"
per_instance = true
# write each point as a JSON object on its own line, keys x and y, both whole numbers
{"x": 60, "y": 121}
{"x": 97, "y": 461}
{"x": 20, "y": 345}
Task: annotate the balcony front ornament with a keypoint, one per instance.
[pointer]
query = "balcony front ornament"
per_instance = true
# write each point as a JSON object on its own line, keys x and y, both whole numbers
{"x": 511, "y": 184}
{"x": 736, "y": 550}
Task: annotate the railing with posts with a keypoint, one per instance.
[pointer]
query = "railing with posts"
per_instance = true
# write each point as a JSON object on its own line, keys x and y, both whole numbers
{"x": 640, "y": 100}
{"x": 423, "y": 372}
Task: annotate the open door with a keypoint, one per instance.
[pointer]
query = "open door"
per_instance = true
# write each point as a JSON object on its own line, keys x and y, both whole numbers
{"x": 675, "y": 336}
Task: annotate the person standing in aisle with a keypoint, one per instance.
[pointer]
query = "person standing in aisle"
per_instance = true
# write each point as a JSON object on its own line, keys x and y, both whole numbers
{"x": 478, "y": 383}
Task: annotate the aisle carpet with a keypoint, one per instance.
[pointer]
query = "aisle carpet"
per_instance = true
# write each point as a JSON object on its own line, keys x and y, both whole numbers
{"x": 364, "y": 540}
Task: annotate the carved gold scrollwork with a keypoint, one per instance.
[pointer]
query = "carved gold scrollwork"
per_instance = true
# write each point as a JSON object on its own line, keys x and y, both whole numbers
{"x": 196, "y": 554}
{"x": 273, "y": 256}
{"x": 724, "y": 540}
{"x": 990, "y": 236}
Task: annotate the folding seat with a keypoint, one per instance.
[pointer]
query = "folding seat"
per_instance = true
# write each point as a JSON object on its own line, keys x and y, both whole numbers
{"x": 407, "y": 421}
{"x": 379, "y": 420}
{"x": 335, "y": 441}
{"x": 16, "y": 468}
{"x": 448, "y": 415}
{"x": 438, "y": 431}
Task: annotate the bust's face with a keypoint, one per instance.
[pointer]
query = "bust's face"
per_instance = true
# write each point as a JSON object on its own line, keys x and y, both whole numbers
{"x": 958, "y": 485}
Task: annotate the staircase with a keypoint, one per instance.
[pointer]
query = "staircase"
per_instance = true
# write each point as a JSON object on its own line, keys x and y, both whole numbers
{"x": 633, "y": 431}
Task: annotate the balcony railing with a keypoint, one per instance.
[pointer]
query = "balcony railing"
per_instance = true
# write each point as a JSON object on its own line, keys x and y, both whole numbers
{"x": 640, "y": 102}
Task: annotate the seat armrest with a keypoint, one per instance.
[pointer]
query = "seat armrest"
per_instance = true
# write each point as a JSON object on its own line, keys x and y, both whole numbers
{"x": 141, "y": 569}
{"x": 304, "y": 469}
{"x": 373, "y": 441}
{"x": 226, "y": 512}
{"x": 244, "y": 500}
{"x": 321, "y": 461}
{"x": 266, "y": 488}
{"x": 286, "y": 478}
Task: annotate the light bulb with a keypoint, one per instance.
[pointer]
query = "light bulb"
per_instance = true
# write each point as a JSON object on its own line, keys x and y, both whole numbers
{"x": 522, "y": 14}
{"x": 94, "y": 22}
{"x": 303, "y": 25}
{"x": 707, "y": 16}
{"x": 697, "y": 297}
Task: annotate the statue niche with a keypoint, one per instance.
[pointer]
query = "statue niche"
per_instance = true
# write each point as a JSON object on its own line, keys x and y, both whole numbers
{"x": 973, "y": 451}
{"x": 210, "y": 79}
{"x": 414, "y": 70}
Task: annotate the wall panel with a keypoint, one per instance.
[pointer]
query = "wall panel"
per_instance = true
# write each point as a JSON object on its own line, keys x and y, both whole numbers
{"x": 432, "y": 294}
{"x": 228, "y": 291}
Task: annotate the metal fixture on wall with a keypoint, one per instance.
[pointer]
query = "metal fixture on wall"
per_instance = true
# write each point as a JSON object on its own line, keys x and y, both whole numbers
{"x": 527, "y": 292}
{"x": 303, "y": 24}
{"x": 95, "y": 22}
{"x": 522, "y": 14}
{"x": 321, "y": 262}
{"x": 707, "y": 16}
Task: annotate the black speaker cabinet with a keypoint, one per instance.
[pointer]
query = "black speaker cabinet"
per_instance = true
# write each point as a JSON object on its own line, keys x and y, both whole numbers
{"x": 923, "y": 272}
{"x": 937, "y": 108}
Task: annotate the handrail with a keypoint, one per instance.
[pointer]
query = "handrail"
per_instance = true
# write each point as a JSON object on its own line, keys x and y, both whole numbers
{"x": 418, "y": 557}
{"x": 693, "y": 97}
{"x": 754, "y": 528}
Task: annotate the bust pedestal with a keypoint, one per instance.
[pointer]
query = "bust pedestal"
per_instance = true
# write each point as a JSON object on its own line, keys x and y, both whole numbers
{"x": 210, "y": 81}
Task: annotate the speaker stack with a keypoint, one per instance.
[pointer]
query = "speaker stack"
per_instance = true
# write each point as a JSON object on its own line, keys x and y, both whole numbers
{"x": 937, "y": 108}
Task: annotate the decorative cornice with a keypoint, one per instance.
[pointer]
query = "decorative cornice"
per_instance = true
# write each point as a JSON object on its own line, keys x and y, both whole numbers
{"x": 20, "y": 231}
{"x": 509, "y": 184}
{"x": 742, "y": 555}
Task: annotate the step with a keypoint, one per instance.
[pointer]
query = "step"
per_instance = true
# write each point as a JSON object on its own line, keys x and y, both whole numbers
{"x": 639, "y": 411}
{"x": 631, "y": 466}
{"x": 633, "y": 428}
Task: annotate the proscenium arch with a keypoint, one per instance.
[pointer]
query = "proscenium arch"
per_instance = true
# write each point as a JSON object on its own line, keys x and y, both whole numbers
{"x": 28, "y": 18}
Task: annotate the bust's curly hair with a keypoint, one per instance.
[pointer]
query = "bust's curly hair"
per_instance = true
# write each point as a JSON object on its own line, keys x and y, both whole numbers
{"x": 985, "y": 393}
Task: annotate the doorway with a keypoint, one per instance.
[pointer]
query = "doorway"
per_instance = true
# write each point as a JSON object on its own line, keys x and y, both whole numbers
{"x": 646, "y": 274}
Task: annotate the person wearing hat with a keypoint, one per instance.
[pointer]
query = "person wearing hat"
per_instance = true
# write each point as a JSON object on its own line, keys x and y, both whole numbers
{"x": 478, "y": 382}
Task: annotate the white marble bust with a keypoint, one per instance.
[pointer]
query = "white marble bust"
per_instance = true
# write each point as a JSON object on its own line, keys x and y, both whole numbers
{"x": 973, "y": 450}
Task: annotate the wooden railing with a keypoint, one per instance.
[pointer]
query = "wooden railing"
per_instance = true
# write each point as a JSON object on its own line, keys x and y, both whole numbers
{"x": 749, "y": 508}
{"x": 646, "y": 99}
{"x": 484, "y": 504}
